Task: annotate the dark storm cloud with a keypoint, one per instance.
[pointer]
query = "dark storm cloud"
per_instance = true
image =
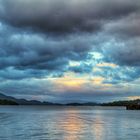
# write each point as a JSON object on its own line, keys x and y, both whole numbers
{"x": 21, "y": 51}
{"x": 15, "y": 74}
{"x": 31, "y": 50}
{"x": 123, "y": 52}
{"x": 128, "y": 27}
{"x": 119, "y": 74}
{"x": 129, "y": 57}
{"x": 60, "y": 16}
{"x": 36, "y": 53}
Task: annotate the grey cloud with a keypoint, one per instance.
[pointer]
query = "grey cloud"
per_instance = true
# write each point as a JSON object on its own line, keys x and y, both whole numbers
{"x": 128, "y": 27}
{"x": 38, "y": 53}
{"x": 30, "y": 48}
{"x": 131, "y": 57}
{"x": 11, "y": 73}
{"x": 121, "y": 51}
{"x": 27, "y": 51}
{"x": 120, "y": 74}
{"x": 82, "y": 68}
{"x": 62, "y": 16}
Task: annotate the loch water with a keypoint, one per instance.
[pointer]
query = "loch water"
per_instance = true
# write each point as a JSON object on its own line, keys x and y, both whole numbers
{"x": 68, "y": 123}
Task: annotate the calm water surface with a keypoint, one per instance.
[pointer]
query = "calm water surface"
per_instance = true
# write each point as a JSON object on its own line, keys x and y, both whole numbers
{"x": 68, "y": 123}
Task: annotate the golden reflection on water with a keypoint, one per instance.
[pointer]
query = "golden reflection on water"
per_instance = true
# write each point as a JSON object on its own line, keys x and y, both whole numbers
{"x": 72, "y": 125}
{"x": 76, "y": 126}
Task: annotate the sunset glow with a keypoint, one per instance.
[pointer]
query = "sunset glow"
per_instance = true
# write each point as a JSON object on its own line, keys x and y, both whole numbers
{"x": 61, "y": 51}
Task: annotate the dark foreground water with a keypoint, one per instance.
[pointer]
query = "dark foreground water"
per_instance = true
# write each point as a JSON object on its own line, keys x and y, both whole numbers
{"x": 68, "y": 123}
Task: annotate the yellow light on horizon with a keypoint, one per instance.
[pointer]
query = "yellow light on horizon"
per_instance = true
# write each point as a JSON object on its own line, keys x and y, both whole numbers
{"x": 107, "y": 65}
{"x": 74, "y": 82}
{"x": 133, "y": 97}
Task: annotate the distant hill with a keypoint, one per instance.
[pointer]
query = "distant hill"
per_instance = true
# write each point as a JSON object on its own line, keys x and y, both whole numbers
{"x": 35, "y": 102}
{"x": 83, "y": 104}
{"x": 22, "y": 101}
{"x": 8, "y": 100}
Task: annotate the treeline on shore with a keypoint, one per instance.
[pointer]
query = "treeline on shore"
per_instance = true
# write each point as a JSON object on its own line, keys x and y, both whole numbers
{"x": 7, "y": 102}
{"x": 122, "y": 103}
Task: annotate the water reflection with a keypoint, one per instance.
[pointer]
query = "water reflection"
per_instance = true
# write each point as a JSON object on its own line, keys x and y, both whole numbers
{"x": 98, "y": 128}
{"x": 68, "y": 123}
{"x": 75, "y": 126}
{"x": 72, "y": 126}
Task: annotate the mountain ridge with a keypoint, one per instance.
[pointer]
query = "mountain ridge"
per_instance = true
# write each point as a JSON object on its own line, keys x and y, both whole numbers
{"x": 9, "y": 99}
{"x": 23, "y": 101}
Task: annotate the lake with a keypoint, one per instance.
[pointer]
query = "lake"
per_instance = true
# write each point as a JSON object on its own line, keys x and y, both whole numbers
{"x": 68, "y": 123}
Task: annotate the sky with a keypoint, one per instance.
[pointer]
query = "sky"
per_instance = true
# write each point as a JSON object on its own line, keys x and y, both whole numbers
{"x": 70, "y": 51}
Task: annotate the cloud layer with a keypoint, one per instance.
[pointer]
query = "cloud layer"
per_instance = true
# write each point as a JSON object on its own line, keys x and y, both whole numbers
{"x": 95, "y": 42}
{"x": 64, "y": 17}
